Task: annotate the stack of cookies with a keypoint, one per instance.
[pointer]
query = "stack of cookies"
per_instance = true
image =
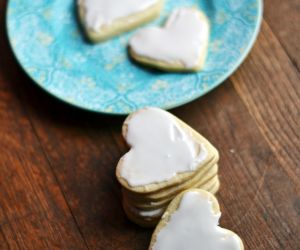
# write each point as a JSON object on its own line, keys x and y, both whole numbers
{"x": 166, "y": 157}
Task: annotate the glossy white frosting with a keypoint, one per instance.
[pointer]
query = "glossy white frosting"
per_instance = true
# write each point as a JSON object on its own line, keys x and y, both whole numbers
{"x": 152, "y": 213}
{"x": 145, "y": 213}
{"x": 183, "y": 39}
{"x": 100, "y": 13}
{"x": 194, "y": 226}
{"x": 160, "y": 148}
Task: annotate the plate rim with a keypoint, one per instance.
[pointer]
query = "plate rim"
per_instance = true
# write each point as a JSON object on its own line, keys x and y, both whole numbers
{"x": 222, "y": 79}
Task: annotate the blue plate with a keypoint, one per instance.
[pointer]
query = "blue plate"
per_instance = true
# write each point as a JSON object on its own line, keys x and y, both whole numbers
{"x": 48, "y": 43}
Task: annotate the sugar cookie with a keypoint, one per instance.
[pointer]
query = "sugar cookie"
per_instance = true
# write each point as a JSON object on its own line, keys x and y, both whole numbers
{"x": 191, "y": 222}
{"x": 164, "y": 151}
{"x": 166, "y": 157}
{"x": 103, "y": 19}
{"x": 181, "y": 45}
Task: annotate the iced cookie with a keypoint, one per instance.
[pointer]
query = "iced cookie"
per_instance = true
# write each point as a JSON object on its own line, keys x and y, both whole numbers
{"x": 103, "y": 19}
{"x": 166, "y": 157}
{"x": 164, "y": 151}
{"x": 191, "y": 222}
{"x": 181, "y": 45}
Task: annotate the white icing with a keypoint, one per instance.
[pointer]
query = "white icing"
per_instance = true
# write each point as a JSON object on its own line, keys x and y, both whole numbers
{"x": 160, "y": 148}
{"x": 184, "y": 39}
{"x": 194, "y": 226}
{"x": 152, "y": 213}
{"x": 100, "y": 13}
{"x": 145, "y": 213}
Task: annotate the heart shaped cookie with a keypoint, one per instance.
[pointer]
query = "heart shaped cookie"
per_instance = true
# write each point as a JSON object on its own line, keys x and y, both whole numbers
{"x": 103, "y": 19}
{"x": 166, "y": 157}
{"x": 164, "y": 151}
{"x": 191, "y": 222}
{"x": 181, "y": 45}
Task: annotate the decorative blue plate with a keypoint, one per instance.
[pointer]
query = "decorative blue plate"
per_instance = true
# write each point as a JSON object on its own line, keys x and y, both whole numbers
{"x": 48, "y": 43}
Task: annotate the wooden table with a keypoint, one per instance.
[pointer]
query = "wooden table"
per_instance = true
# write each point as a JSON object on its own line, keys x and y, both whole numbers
{"x": 57, "y": 183}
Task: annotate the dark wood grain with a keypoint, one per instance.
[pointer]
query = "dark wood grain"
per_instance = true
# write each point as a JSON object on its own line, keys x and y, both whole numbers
{"x": 57, "y": 184}
{"x": 33, "y": 210}
{"x": 273, "y": 104}
{"x": 31, "y": 202}
{"x": 284, "y": 18}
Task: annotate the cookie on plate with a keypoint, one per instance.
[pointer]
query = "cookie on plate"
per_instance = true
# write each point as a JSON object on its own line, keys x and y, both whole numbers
{"x": 181, "y": 45}
{"x": 103, "y": 19}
